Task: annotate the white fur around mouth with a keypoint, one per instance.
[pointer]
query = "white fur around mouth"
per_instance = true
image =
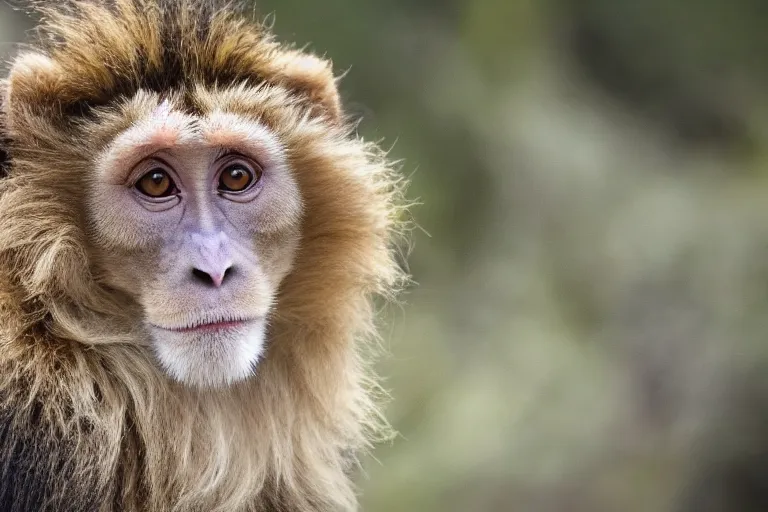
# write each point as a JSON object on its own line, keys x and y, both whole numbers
{"x": 203, "y": 358}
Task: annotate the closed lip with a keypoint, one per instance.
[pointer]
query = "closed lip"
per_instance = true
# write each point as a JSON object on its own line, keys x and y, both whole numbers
{"x": 209, "y": 323}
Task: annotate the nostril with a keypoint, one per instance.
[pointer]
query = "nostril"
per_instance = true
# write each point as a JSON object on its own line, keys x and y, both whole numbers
{"x": 212, "y": 279}
{"x": 203, "y": 277}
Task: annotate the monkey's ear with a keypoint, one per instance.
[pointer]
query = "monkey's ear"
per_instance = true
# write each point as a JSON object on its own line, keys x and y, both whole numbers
{"x": 311, "y": 76}
{"x": 35, "y": 82}
{"x": 35, "y": 87}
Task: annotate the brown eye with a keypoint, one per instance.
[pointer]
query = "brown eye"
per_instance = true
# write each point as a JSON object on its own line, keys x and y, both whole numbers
{"x": 236, "y": 178}
{"x": 156, "y": 183}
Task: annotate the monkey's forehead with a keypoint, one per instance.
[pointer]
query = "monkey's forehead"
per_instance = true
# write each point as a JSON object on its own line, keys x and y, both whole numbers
{"x": 166, "y": 126}
{"x": 167, "y": 129}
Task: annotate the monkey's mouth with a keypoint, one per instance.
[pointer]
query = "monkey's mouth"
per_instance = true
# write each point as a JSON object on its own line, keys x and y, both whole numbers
{"x": 222, "y": 324}
{"x": 215, "y": 326}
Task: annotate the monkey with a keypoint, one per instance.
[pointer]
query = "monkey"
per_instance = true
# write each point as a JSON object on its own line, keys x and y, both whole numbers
{"x": 194, "y": 245}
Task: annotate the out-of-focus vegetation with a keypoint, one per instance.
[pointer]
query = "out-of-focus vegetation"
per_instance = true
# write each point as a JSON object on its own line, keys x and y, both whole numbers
{"x": 588, "y": 331}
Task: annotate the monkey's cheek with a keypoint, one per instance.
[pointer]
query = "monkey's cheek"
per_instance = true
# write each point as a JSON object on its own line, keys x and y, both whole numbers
{"x": 211, "y": 359}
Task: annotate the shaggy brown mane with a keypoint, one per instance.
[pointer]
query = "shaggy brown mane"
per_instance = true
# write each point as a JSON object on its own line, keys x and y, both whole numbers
{"x": 114, "y": 48}
{"x": 87, "y": 420}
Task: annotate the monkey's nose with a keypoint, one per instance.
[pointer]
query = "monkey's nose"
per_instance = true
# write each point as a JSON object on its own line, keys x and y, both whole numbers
{"x": 211, "y": 278}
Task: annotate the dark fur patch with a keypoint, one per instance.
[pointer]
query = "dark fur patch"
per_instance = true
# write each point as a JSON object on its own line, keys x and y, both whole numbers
{"x": 4, "y": 159}
{"x": 34, "y": 459}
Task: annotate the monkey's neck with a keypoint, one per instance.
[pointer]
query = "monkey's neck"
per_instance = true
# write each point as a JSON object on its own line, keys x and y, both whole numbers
{"x": 124, "y": 425}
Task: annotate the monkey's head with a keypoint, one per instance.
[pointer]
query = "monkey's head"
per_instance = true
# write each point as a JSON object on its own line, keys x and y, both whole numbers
{"x": 173, "y": 164}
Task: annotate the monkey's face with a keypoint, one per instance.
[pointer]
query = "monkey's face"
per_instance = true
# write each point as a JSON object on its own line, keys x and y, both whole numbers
{"x": 198, "y": 219}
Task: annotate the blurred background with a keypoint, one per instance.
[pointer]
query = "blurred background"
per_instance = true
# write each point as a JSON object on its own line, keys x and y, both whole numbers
{"x": 588, "y": 330}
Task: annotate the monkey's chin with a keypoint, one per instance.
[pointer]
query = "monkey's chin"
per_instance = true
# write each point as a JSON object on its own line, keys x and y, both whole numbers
{"x": 210, "y": 358}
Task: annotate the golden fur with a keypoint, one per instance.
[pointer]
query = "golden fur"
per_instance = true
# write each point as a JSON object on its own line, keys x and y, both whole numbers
{"x": 87, "y": 420}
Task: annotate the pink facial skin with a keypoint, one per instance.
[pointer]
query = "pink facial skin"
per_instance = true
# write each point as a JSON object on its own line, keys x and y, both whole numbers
{"x": 203, "y": 261}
